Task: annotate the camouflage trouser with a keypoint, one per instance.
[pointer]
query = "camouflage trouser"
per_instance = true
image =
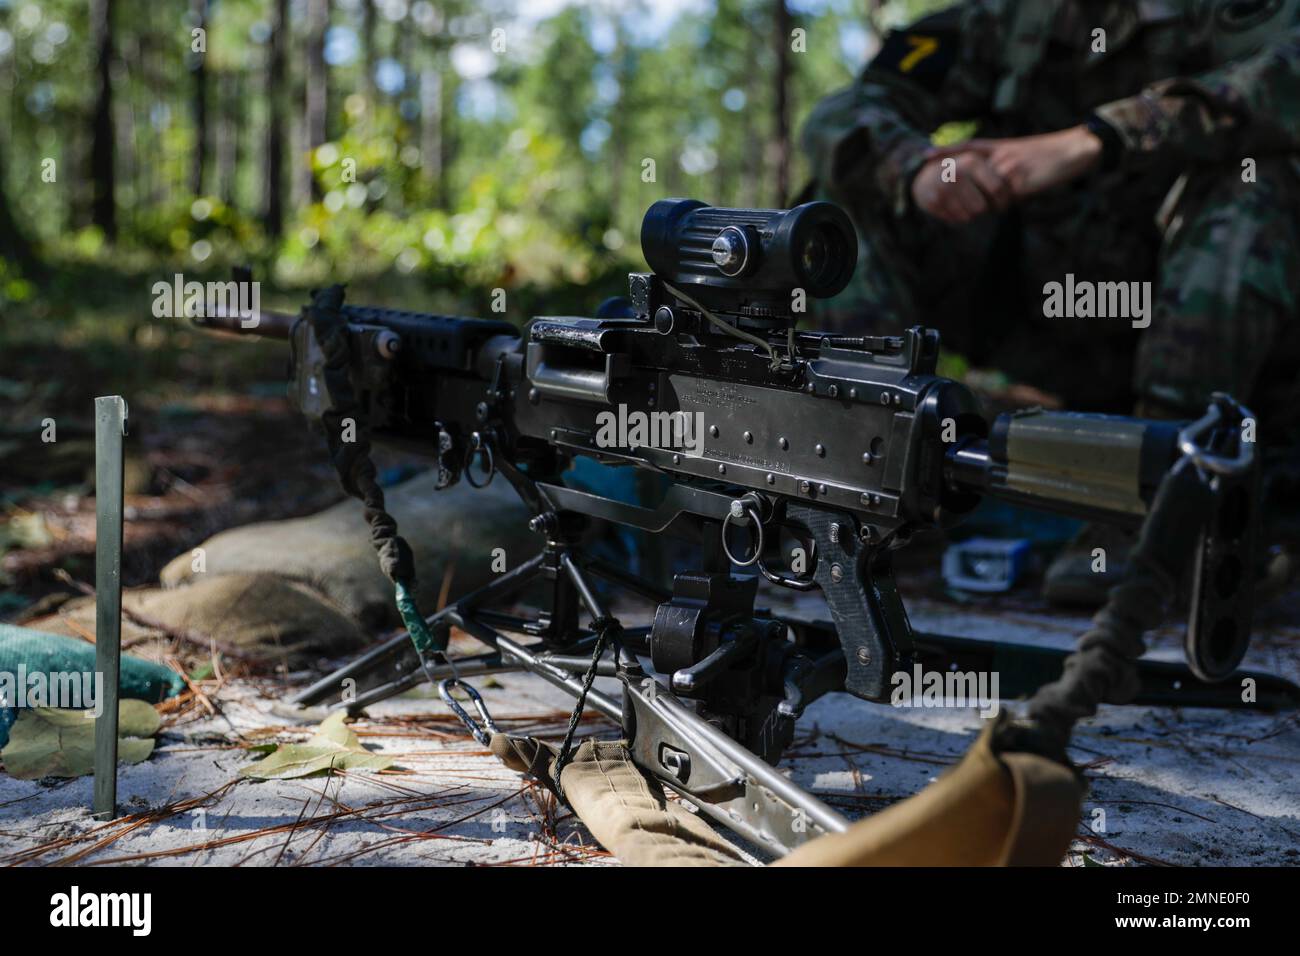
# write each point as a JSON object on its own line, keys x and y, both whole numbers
{"x": 1224, "y": 316}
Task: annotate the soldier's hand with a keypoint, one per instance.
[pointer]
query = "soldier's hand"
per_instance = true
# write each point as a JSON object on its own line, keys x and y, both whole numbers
{"x": 958, "y": 185}
{"x": 1032, "y": 164}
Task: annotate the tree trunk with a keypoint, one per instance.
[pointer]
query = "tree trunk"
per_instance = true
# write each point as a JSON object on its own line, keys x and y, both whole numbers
{"x": 780, "y": 161}
{"x": 103, "y": 210}
{"x": 13, "y": 243}
{"x": 198, "y": 66}
{"x": 318, "y": 15}
{"x": 368, "y": 58}
{"x": 273, "y": 202}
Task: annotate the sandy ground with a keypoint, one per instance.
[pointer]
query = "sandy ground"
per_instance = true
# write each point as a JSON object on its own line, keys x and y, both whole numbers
{"x": 1176, "y": 786}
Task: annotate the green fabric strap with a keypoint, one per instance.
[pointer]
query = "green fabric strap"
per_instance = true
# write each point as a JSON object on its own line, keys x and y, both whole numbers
{"x": 421, "y": 636}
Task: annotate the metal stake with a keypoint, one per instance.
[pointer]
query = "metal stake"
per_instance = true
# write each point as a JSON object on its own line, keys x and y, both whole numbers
{"x": 110, "y": 427}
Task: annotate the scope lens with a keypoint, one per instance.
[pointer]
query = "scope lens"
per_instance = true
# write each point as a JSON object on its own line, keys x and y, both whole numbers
{"x": 821, "y": 257}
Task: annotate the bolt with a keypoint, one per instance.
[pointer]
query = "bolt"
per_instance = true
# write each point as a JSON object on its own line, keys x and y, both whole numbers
{"x": 783, "y": 442}
{"x": 884, "y": 398}
{"x": 713, "y": 430}
{"x": 835, "y": 532}
{"x": 821, "y": 489}
{"x": 820, "y": 449}
{"x": 805, "y": 486}
{"x": 534, "y": 396}
{"x": 771, "y": 478}
{"x": 864, "y": 656}
{"x": 677, "y": 459}
{"x": 853, "y": 393}
{"x": 737, "y": 510}
{"x": 722, "y": 469}
{"x": 864, "y": 498}
{"x": 837, "y": 573}
{"x": 749, "y": 438}
{"x": 482, "y": 411}
{"x": 833, "y": 391}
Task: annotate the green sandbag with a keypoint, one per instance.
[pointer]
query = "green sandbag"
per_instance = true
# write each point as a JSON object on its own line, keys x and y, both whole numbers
{"x": 36, "y": 652}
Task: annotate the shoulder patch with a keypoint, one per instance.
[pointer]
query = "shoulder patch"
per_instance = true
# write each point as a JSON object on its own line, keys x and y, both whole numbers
{"x": 923, "y": 52}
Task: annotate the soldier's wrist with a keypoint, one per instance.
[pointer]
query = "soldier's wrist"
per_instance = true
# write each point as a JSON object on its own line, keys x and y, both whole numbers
{"x": 1111, "y": 145}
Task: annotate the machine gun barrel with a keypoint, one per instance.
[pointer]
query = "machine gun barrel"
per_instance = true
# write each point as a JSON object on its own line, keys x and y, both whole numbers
{"x": 1084, "y": 465}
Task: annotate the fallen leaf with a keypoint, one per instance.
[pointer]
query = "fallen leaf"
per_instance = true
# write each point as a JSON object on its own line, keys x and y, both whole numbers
{"x": 46, "y": 742}
{"x": 334, "y": 746}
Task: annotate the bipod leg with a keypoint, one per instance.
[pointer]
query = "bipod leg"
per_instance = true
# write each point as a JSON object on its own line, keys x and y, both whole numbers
{"x": 389, "y": 668}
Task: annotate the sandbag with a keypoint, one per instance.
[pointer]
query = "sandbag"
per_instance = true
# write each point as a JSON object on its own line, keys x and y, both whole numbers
{"x": 331, "y": 551}
{"x": 25, "y": 651}
{"x": 260, "y": 617}
{"x": 624, "y": 807}
{"x": 1015, "y": 809}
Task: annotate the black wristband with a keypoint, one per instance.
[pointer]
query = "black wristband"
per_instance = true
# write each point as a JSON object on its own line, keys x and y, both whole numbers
{"x": 1112, "y": 147}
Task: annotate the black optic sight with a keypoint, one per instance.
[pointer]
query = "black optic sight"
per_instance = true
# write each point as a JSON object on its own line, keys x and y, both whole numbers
{"x": 749, "y": 261}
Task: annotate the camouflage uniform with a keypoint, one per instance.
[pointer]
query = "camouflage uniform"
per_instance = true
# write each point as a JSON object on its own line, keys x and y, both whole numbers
{"x": 1173, "y": 208}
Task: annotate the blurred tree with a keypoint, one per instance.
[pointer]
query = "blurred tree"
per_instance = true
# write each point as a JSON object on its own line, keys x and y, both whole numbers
{"x": 198, "y": 58}
{"x": 273, "y": 202}
{"x": 103, "y": 205}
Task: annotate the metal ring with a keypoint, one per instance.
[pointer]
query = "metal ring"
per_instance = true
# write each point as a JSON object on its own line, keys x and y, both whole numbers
{"x": 752, "y": 513}
{"x": 1201, "y": 456}
{"x": 479, "y": 445}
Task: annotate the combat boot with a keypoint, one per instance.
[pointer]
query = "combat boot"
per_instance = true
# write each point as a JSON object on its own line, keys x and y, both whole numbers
{"x": 1084, "y": 571}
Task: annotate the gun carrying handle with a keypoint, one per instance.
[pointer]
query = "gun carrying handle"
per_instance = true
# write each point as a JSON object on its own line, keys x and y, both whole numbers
{"x": 561, "y": 373}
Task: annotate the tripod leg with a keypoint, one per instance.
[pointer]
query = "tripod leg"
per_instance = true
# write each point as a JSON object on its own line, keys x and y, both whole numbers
{"x": 388, "y": 665}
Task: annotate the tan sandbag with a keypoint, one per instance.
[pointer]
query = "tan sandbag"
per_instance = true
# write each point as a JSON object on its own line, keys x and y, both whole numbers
{"x": 624, "y": 808}
{"x": 1015, "y": 810}
{"x": 267, "y": 618}
{"x": 331, "y": 551}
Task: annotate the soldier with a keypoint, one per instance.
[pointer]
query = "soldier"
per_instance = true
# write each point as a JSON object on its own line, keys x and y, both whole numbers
{"x": 1088, "y": 161}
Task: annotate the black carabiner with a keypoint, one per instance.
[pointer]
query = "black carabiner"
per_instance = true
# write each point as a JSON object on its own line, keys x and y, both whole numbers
{"x": 482, "y": 734}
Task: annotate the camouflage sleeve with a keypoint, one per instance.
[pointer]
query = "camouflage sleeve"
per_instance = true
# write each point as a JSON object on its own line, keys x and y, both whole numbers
{"x": 874, "y": 134}
{"x": 1250, "y": 104}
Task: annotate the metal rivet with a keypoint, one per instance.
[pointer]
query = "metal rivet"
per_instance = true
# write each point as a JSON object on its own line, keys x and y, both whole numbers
{"x": 868, "y": 458}
{"x": 722, "y": 469}
{"x": 771, "y": 478}
{"x": 833, "y": 391}
{"x": 677, "y": 459}
{"x": 805, "y": 486}
{"x": 749, "y": 438}
{"x": 820, "y": 449}
{"x": 864, "y": 498}
{"x": 821, "y": 489}
{"x": 713, "y": 430}
{"x": 837, "y": 573}
{"x": 784, "y": 443}
{"x": 853, "y": 393}
{"x": 884, "y": 398}
{"x": 864, "y": 656}
{"x": 898, "y": 399}
{"x": 534, "y": 396}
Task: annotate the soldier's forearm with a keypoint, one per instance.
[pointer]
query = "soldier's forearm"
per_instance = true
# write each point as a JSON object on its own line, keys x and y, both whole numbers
{"x": 1251, "y": 105}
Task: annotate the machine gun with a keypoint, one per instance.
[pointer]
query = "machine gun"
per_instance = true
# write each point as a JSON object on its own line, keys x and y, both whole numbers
{"x": 760, "y": 433}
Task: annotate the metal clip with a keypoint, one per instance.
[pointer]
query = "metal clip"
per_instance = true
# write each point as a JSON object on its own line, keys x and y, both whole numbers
{"x": 482, "y": 734}
{"x": 1194, "y": 440}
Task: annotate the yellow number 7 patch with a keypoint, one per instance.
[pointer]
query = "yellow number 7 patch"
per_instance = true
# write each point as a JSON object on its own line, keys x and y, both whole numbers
{"x": 921, "y": 48}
